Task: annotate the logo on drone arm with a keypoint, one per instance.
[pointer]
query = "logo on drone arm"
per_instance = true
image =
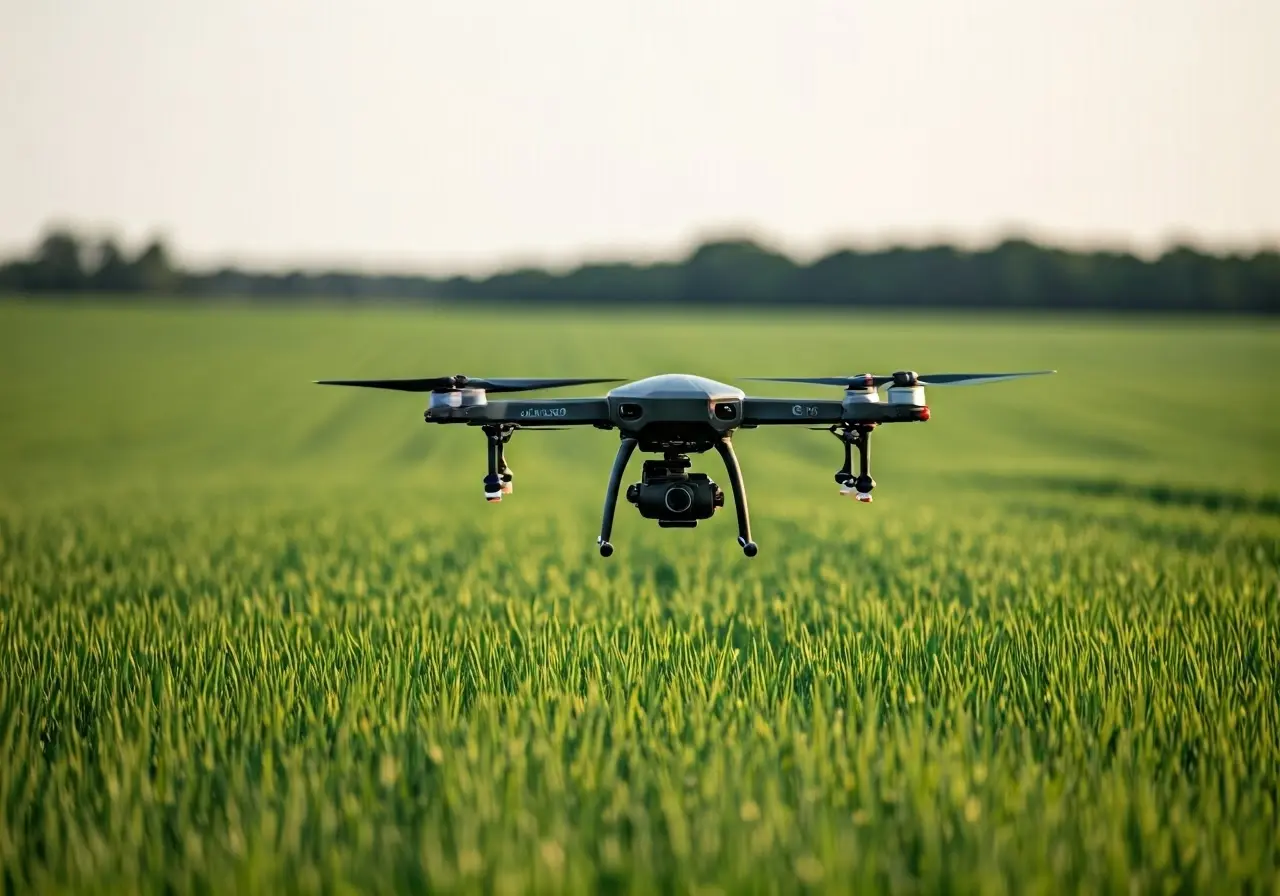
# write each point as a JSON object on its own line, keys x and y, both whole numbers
{"x": 545, "y": 413}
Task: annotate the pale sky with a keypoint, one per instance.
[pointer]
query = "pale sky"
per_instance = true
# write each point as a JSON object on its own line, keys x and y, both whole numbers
{"x": 458, "y": 135}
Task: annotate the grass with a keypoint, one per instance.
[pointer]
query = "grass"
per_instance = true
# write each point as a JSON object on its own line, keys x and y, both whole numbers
{"x": 263, "y": 636}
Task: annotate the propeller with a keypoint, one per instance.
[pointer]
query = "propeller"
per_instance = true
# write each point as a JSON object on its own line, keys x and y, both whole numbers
{"x": 901, "y": 378}
{"x": 454, "y": 383}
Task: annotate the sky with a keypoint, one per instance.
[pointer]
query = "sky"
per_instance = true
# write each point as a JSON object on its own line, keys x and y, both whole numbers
{"x": 461, "y": 136}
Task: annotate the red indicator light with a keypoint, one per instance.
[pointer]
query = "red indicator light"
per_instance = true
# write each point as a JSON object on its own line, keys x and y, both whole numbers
{"x": 924, "y": 413}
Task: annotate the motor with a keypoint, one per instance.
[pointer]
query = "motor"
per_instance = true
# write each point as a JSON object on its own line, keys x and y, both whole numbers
{"x": 673, "y": 496}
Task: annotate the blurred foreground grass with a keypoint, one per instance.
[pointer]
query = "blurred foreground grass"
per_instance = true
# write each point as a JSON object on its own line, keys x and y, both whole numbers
{"x": 260, "y": 635}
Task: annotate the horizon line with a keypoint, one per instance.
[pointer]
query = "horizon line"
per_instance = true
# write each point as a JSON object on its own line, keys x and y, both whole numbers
{"x": 639, "y": 254}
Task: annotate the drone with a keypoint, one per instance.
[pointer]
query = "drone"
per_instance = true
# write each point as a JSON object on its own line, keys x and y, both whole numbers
{"x": 675, "y": 415}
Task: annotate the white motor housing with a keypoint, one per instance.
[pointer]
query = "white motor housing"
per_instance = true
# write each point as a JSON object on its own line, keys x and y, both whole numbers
{"x": 861, "y": 396}
{"x": 911, "y": 395}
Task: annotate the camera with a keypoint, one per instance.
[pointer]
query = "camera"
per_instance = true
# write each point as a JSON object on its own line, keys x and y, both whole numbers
{"x": 725, "y": 410}
{"x": 673, "y": 496}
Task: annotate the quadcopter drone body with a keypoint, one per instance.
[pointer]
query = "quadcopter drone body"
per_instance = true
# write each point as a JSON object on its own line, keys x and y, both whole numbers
{"x": 676, "y": 415}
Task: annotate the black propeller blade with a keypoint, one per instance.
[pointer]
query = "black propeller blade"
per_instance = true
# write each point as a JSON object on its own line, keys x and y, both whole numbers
{"x": 902, "y": 378}
{"x": 453, "y": 383}
{"x": 859, "y": 381}
{"x": 973, "y": 379}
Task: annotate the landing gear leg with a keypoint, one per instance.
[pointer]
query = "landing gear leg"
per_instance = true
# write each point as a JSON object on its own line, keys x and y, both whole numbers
{"x": 860, "y": 486}
{"x": 864, "y": 483}
{"x": 493, "y": 480}
{"x": 625, "y": 450}
{"x": 506, "y": 475}
{"x": 725, "y": 448}
{"x": 844, "y": 475}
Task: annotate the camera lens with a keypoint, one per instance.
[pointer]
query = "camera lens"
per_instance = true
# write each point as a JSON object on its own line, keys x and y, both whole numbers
{"x": 678, "y": 499}
{"x": 725, "y": 410}
{"x": 630, "y": 411}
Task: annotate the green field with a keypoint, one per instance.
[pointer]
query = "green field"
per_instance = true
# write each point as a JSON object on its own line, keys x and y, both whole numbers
{"x": 262, "y": 635}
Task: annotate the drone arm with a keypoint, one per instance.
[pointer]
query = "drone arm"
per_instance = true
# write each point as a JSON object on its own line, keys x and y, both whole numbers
{"x": 790, "y": 411}
{"x": 528, "y": 412}
{"x": 492, "y": 481}
{"x": 814, "y": 412}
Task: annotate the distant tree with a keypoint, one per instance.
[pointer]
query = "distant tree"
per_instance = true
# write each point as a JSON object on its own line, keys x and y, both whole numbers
{"x": 57, "y": 265}
{"x": 834, "y": 279}
{"x": 153, "y": 270}
{"x": 1260, "y": 276}
{"x": 112, "y": 272}
{"x": 527, "y": 283}
{"x": 14, "y": 276}
{"x": 737, "y": 270}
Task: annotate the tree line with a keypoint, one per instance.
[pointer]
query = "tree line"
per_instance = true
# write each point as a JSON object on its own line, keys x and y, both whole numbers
{"x": 1013, "y": 274}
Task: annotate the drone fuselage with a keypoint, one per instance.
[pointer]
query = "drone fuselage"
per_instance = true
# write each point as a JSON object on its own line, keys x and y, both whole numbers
{"x": 675, "y": 412}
